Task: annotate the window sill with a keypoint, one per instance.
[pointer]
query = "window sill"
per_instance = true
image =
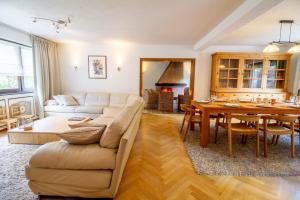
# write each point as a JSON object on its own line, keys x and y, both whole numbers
{"x": 16, "y": 93}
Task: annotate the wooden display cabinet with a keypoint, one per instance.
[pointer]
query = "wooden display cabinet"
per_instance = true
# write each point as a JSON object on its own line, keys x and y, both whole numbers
{"x": 250, "y": 75}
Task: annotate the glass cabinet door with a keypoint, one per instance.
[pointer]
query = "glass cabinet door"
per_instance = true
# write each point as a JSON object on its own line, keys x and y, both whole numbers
{"x": 252, "y": 73}
{"x": 228, "y": 73}
{"x": 276, "y": 74}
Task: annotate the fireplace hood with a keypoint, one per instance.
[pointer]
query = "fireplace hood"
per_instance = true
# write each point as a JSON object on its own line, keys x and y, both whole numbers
{"x": 172, "y": 76}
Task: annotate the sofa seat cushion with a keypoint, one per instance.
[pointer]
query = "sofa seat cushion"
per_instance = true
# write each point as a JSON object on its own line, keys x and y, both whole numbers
{"x": 62, "y": 155}
{"x": 60, "y": 109}
{"x": 111, "y": 111}
{"x": 89, "y": 109}
{"x": 77, "y": 178}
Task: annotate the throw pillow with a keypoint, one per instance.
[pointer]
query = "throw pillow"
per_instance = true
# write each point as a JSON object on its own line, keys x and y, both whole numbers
{"x": 68, "y": 100}
{"x": 58, "y": 100}
{"x": 83, "y": 135}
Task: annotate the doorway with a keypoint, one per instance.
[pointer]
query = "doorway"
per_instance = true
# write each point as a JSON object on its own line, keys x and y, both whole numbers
{"x": 167, "y": 78}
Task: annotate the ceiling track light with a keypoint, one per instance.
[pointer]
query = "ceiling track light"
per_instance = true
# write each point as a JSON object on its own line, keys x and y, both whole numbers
{"x": 273, "y": 47}
{"x": 56, "y": 24}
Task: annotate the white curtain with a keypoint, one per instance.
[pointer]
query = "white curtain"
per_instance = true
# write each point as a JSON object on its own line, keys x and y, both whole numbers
{"x": 10, "y": 60}
{"x": 46, "y": 70}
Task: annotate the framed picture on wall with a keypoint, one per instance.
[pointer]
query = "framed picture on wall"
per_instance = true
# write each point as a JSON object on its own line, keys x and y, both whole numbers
{"x": 97, "y": 67}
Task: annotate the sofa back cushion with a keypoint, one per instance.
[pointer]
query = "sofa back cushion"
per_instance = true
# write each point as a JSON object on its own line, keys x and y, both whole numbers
{"x": 68, "y": 100}
{"x": 118, "y": 100}
{"x": 113, "y": 132}
{"x": 78, "y": 96}
{"x": 133, "y": 100}
{"x": 97, "y": 99}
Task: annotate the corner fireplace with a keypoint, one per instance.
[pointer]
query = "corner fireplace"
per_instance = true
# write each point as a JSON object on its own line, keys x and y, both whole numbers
{"x": 172, "y": 79}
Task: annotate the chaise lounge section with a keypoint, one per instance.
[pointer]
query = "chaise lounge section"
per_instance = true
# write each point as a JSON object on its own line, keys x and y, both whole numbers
{"x": 93, "y": 170}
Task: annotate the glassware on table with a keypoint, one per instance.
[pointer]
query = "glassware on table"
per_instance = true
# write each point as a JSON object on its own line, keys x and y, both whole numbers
{"x": 24, "y": 123}
{"x": 292, "y": 99}
{"x": 297, "y": 100}
{"x": 266, "y": 100}
{"x": 234, "y": 99}
{"x": 258, "y": 100}
{"x": 273, "y": 101}
{"x": 213, "y": 98}
{"x": 20, "y": 122}
{"x": 28, "y": 124}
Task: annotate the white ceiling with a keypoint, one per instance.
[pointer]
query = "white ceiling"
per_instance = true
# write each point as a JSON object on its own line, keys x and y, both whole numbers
{"x": 137, "y": 21}
{"x": 265, "y": 28}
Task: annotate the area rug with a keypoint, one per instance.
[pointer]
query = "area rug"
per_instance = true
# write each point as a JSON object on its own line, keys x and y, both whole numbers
{"x": 13, "y": 183}
{"x": 13, "y": 158}
{"x": 215, "y": 161}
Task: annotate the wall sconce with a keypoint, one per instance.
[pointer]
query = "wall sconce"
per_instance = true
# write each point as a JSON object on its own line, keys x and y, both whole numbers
{"x": 75, "y": 68}
{"x": 119, "y": 68}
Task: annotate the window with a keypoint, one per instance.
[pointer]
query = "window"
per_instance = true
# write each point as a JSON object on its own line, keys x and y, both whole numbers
{"x": 16, "y": 68}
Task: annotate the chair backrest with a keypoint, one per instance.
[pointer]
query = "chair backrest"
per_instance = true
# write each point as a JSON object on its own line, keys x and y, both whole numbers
{"x": 186, "y": 91}
{"x": 281, "y": 118}
{"x": 245, "y": 118}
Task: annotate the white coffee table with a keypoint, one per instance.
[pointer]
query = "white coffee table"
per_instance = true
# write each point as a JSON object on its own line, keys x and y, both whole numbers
{"x": 43, "y": 131}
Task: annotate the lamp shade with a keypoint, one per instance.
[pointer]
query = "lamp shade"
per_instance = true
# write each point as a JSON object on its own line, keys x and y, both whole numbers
{"x": 271, "y": 48}
{"x": 294, "y": 49}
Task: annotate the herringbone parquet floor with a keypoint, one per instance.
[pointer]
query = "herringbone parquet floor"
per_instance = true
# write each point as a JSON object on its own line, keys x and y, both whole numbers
{"x": 159, "y": 168}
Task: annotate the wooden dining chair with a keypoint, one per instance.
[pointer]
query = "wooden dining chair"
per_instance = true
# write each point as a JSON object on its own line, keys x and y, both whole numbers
{"x": 296, "y": 128}
{"x": 278, "y": 128}
{"x": 191, "y": 116}
{"x": 220, "y": 121}
{"x": 248, "y": 125}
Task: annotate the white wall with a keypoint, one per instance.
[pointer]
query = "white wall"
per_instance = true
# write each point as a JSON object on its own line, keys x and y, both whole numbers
{"x": 152, "y": 71}
{"x": 12, "y": 34}
{"x": 186, "y": 72}
{"x": 127, "y": 56}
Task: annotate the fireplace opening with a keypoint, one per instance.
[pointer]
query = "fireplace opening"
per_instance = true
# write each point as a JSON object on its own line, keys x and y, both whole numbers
{"x": 164, "y": 82}
{"x": 163, "y": 89}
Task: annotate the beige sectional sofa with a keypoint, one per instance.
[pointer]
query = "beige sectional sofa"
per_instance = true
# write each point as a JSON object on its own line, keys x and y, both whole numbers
{"x": 94, "y": 170}
{"x": 91, "y": 104}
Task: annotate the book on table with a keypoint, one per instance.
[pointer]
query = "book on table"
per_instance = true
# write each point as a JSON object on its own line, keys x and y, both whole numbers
{"x": 76, "y": 118}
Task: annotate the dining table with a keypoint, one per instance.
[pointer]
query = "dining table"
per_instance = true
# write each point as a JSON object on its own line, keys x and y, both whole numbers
{"x": 208, "y": 108}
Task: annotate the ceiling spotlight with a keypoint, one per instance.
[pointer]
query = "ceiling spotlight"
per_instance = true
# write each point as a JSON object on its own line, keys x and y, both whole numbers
{"x": 54, "y": 23}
